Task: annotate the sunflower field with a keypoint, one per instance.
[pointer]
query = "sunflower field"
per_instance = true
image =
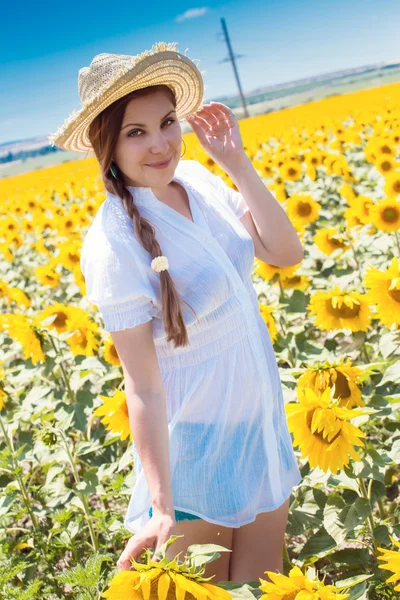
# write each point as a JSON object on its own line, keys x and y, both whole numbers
{"x": 66, "y": 465}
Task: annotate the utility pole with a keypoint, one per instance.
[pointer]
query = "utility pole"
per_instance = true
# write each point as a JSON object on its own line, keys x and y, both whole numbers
{"x": 232, "y": 60}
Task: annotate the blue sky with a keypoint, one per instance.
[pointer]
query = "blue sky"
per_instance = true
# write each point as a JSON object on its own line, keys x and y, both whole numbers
{"x": 44, "y": 44}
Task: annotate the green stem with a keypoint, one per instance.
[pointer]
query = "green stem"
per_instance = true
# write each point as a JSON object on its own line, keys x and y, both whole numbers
{"x": 382, "y": 511}
{"x": 364, "y": 347}
{"x": 362, "y": 543}
{"x": 371, "y": 521}
{"x": 64, "y": 374}
{"x": 354, "y": 251}
{"x": 292, "y": 359}
{"x": 24, "y": 491}
{"x": 286, "y": 555}
{"x": 82, "y": 496}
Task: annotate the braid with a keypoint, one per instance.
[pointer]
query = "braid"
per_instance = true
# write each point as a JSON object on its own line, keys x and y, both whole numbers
{"x": 172, "y": 314}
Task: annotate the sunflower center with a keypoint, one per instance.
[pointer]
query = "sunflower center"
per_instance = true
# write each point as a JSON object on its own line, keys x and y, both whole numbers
{"x": 386, "y": 149}
{"x": 321, "y": 435}
{"x": 290, "y": 595}
{"x": 336, "y": 243}
{"x": 304, "y": 209}
{"x": 343, "y": 311}
{"x": 341, "y": 385}
{"x": 395, "y": 294}
{"x": 292, "y": 171}
{"x": 294, "y": 280}
{"x": 60, "y": 320}
{"x": 390, "y": 215}
{"x": 386, "y": 165}
{"x": 396, "y": 186}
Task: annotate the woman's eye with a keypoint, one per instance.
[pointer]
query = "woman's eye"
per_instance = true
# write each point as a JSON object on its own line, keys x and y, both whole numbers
{"x": 133, "y": 130}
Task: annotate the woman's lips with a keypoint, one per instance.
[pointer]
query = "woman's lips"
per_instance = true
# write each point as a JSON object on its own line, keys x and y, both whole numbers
{"x": 160, "y": 165}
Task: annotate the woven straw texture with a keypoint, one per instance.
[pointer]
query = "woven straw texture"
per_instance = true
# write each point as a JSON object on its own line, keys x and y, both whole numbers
{"x": 112, "y": 76}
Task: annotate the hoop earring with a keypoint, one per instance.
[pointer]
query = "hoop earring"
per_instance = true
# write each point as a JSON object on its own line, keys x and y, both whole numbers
{"x": 113, "y": 171}
{"x": 184, "y": 149}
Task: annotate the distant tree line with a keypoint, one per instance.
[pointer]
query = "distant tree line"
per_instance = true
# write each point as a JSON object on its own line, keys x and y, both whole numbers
{"x": 25, "y": 154}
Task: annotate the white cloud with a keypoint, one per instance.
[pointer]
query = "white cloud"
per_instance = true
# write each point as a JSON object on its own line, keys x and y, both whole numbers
{"x": 192, "y": 13}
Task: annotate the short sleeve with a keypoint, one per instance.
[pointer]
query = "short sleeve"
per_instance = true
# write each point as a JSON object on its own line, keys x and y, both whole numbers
{"x": 116, "y": 282}
{"x": 230, "y": 196}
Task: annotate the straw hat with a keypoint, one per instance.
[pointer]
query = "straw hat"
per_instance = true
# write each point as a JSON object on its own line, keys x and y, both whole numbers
{"x": 111, "y": 76}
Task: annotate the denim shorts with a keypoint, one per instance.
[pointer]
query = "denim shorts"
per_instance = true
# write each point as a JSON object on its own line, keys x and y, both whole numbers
{"x": 179, "y": 515}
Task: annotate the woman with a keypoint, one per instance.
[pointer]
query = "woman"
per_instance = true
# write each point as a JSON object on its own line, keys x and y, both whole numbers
{"x": 167, "y": 260}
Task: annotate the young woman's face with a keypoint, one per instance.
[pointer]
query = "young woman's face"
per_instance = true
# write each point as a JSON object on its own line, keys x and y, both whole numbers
{"x": 150, "y": 133}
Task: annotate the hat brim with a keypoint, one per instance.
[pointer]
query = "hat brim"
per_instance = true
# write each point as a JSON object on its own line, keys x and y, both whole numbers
{"x": 168, "y": 67}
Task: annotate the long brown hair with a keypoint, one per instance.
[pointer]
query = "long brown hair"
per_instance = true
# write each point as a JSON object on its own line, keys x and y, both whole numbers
{"x": 103, "y": 135}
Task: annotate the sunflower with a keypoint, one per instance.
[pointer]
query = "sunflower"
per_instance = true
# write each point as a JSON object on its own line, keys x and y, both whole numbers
{"x": 84, "y": 338}
{"x": 386, "y": 164}
{"x": 385, "y": 215}
{"x": 303, "y": 208}
{"x": 23, "y": 330}
{"x": 110, "y": 352}
{"x": 322, "y": 431}
{"x": 345, "y": 376}
{"x": 311, "y": 172}
{"x": 266, "y": 313}
{"x": 385, "y": 292}
{"x": 296, "y": 282}
{"x": 46, "y": 275}
{"x": 361, "y": 205}
{"x": 340, "y": 309}
{"x": 297, "y": 587}
{"x": 291, "y": 170}
{"x": 59, "y": 312}
{"x": 328, "y": 240}
{"x": 352, "y": 217}
{"x": 392, "y": 558}
{"x": 115, "y": 413}
{"x": 392, "y": 185}
{"x": 169, "y": 580}
{"x": 268, "y": 272}
{"x": 347, "y": 192}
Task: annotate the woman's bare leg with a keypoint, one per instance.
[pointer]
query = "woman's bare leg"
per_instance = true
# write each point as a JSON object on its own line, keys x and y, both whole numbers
{"x": 258, "y": 546}
{"x": 202, "y": 532}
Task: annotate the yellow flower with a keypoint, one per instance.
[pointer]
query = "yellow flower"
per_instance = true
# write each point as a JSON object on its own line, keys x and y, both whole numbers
{"x": 291, "y": 170}
{"x": 361, "y": 206}
{"x": 328, "y": 240}
{"x": 268, "y": 272}
{"x": 115, "y": 413}
{"x": 303, "y": 207}
{"x": 340, "y": 309}
{"x": 110, "y": 352}
{"x": 266, "y": 313}
{"x": 46, "y": 275}
{"x": 168, "y": 580}
{"x": 385, "y": 292}
{"x": 392, "y": 186}
{"x": 22, "y": 329}
{"x": 385, "y": 215}
{"x": 322, "y": 431}
{"x": 386, "y": 163}
{"x": 297, "y": 587}
{"x": 296, "y": 282}
{"x": 344, "y": 376}
{"x": 393, "y": 562}
{"x": 84, "y": 339}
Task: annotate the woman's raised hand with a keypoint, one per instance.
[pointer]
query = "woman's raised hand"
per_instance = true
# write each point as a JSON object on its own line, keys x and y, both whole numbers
{"x": 218, "y": 132}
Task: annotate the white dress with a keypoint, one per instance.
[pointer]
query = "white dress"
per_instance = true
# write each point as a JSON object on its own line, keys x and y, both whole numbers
{"x": 231, "y": 452}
